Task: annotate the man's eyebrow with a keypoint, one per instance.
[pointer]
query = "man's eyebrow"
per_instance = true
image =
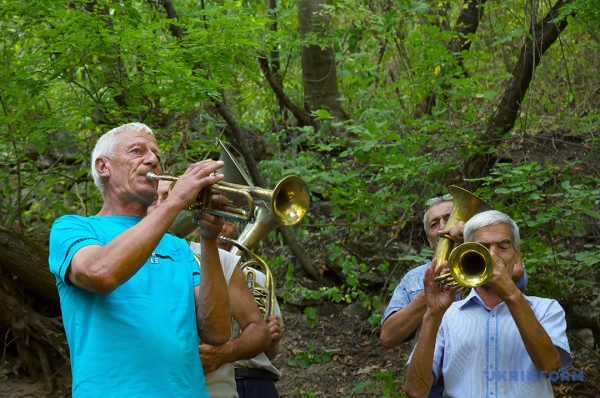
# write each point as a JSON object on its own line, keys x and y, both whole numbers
{"x": 507, "y": 240}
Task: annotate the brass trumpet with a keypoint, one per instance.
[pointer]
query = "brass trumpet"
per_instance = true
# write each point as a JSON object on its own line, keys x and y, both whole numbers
{"x": 288, "y": 203}
{"x": 471, "y": 263}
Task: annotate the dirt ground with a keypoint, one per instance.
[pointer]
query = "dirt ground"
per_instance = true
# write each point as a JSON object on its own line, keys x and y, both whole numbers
{"x": 356, "y": 367}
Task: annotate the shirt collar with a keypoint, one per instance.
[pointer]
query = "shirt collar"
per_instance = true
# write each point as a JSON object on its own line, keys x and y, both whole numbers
{"x": 474, "y": 298}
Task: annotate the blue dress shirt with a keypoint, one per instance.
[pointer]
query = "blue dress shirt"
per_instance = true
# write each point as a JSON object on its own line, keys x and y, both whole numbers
{"x": 480, "y": 352}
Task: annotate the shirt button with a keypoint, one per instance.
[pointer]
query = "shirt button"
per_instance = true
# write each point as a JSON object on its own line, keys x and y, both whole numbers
{"x": 493, "y": 315}
{"x": 492, "y": 393}
{"x": 491, "y": 366}
{"x": 491, "y": 338}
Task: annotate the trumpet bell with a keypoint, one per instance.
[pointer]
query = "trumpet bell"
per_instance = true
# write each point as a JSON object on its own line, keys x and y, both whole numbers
{"x": 290, "y": 201}
{"x": 471, "y": 264}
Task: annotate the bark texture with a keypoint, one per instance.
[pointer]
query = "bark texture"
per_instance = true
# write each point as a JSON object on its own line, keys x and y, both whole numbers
{"x": 318, "y": 62}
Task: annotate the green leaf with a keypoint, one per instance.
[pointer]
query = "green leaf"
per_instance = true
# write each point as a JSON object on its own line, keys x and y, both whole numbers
{"x": 590, "y": 212}
{"x": 322, "y": 114}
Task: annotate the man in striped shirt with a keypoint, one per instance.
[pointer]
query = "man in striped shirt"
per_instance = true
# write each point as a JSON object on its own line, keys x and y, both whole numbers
{"x": 496, "y": 342}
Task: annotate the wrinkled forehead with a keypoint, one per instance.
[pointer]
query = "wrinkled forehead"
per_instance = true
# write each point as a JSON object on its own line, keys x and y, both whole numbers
{"x": 130, "y": 137}
{"x": 494, "y": 233}
{"x": 439, "y": 210}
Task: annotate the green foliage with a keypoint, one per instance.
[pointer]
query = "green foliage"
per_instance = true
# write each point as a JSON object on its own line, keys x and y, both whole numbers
{"x": 71, "y": 72}
{"x": 311, "y": 316}
{"x": 553, "y": 208}
{"x": 304, "y": 359}
{"x": 385, "y": 385}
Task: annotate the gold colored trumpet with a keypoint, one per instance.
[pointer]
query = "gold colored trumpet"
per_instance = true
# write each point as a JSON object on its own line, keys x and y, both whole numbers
{"x": 205, "y": 203}
{"x": 470, "y": 264}
{"x": 288, "y": 203}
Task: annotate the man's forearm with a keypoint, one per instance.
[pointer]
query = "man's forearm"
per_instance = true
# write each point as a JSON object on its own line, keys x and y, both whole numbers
{"x": 213, "y": 307}
{"x": 272, "y": 350}
{"x": 253, "y": 340}
{"x": 400, "y": 325}
{"x": 420, "y": 377}
{"x": 538, "y": 344}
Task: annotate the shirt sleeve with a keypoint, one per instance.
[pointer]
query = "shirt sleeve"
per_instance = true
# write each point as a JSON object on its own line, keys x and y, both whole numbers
{"x": 228, "y": 263}
{"x": 438, "y": 353}
{"x": 523, "y": 281}
{"x": 405, "y": 292}
{"x": 67, "y": 236}
{"x": 554, "y": 323}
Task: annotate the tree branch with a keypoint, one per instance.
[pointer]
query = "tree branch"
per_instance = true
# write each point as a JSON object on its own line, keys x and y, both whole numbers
{"x": 545, "y": 34}
{"x": 303, "y": 117}
{"x": 253, "y": 168}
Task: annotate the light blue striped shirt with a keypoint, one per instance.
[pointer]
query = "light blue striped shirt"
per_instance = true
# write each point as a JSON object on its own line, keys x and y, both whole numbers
{"x": 412, "y": 284}
{"x": 480, "y": 352}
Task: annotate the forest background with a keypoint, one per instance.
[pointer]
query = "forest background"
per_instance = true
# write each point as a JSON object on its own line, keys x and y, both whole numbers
{"x": 377, "y": 104}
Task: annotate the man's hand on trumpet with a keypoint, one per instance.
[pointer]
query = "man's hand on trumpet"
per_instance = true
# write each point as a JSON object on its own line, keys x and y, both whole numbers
{"x": 211, "y": 225}
{"x": 439, "y": 298}
{"x": 501, "y": 280}
{"x": 455, "y": 233}
{"x": 196, "y": 177}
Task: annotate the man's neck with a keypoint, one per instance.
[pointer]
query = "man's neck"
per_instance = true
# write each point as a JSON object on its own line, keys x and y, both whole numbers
{"x": 489, "y": 296}
{"x": 111, "y": 209}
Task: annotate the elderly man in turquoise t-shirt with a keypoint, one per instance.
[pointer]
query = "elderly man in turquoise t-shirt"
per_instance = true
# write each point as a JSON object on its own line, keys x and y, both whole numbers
{"x": 133, "y": 298}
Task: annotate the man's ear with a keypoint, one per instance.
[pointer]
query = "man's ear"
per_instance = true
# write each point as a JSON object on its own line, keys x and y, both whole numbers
{"x": 102, "y": 167}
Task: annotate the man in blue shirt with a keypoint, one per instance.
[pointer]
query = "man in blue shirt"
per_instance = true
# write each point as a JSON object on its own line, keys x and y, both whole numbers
{"x": 407, "y": 305}
{"x": 133, "y": 299}
{"x": 496, "y": 331}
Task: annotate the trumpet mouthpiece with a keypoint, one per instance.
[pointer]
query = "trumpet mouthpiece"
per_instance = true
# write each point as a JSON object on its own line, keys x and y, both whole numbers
{"x": 152, "y": 176}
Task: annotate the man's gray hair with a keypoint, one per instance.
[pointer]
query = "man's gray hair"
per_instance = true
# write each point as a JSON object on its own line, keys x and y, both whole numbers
{"x": 492, "y": 217}
{"x": 432, "y": 202}
{"x": 106, "y": 147}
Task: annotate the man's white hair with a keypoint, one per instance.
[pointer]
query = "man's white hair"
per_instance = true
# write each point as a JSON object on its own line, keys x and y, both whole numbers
{"x": 106, "y": 147}
{"x": 492, "y": 217}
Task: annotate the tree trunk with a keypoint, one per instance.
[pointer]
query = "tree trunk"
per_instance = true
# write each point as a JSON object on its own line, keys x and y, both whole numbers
{"x": 318, "y": 63}
{"x": 251, "y": 164}
{"x": 543, "y": 34}
{"x": 28, "y": 260}
{"x": 34, "y": 333}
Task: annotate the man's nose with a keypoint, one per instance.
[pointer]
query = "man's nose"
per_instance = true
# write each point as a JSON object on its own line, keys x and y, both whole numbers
{"x": 151, "y": 158}
{"x": 442, "y": 225}
{"x": 492, "y": 249}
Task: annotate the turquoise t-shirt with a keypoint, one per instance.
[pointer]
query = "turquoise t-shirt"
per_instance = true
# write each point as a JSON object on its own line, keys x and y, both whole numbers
{"x": 141, "y": 340}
